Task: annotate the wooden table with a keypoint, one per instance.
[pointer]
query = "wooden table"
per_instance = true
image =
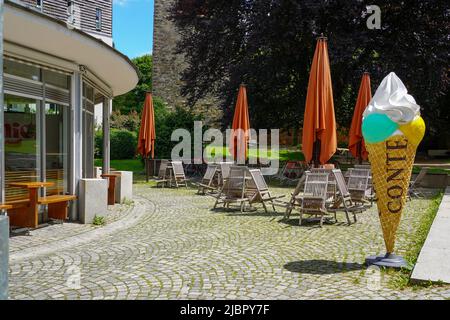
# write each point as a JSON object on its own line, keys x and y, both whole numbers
{"x": 111, "y": 186}
{"x": 4, "y": 206}
{"x": 31, "y": 218}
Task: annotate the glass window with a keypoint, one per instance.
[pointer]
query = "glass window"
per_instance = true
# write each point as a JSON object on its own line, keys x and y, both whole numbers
{"x": 88, "y": 92}
{"x": 56, "y": 144}
{"x": 21, "y": 70}
{"x": 56, "y": 79}
{"x": 21, "y": 127}
{"x": 88, "y": 131}
{"x": 98, "y": 19}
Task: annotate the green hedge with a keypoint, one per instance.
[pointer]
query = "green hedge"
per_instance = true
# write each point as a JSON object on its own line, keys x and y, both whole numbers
{"x": 123, "y": 144}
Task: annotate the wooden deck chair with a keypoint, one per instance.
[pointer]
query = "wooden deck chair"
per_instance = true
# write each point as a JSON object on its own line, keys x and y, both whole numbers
{"x": 162, "y": 178}
{"x": 331, "y": 191}
{"x": 314, "y": 197}
{"x": 292, "y": 203}
{"x": 207, "y": 182}
{"x": 224, "y": 171}
{"x": 233, "y": 190}
{"x": 343, "y": 200}
{"x": 179, "y": 177}
{"x": 358, "y": 184}
{"x": 280, "y": 173}
{"x": 258, "y": 191}
{"x": 413, "y": 190}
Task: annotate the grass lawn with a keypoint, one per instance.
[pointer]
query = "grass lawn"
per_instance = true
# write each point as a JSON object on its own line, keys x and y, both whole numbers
{"x": 282, "y": 155}
{"x": 134, "y": 165}
{"x": 137, "y": 166}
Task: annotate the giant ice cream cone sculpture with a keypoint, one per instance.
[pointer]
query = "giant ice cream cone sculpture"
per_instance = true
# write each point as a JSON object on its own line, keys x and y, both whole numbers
{"x": 392, "y": 128}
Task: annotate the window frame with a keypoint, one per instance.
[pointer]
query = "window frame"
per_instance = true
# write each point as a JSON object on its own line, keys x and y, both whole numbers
{"x": 98, "y": 19}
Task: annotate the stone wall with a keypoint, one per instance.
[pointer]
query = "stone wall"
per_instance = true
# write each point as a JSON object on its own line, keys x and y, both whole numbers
{"x": 168, "y": 66}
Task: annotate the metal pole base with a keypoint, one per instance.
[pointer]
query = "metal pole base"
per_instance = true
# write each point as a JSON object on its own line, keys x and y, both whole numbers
{"x": 388, "y": 260}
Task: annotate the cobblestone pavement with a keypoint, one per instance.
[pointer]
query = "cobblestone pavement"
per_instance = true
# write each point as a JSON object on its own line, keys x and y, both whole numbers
{"x": 170, "y": 245}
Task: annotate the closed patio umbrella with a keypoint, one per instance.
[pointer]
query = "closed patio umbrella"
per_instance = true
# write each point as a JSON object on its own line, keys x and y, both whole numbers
{"x": 356, "y": 143}
{"x": 319, "y": 141}
{"x": 147, "y": 135}
{"x": 240, "y": 133}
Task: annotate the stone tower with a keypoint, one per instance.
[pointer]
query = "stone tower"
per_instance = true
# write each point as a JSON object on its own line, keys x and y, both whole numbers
{"x": 168, "y": 66}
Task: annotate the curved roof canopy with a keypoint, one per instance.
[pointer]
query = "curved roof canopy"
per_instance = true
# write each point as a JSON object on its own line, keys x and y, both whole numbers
{"x": 40, "y": 32}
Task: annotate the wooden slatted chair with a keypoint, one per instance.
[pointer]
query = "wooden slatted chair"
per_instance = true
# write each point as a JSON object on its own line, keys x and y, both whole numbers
{"x": 343, "y": 200}
{"x": 57, "y": 205}
{"x": 258, "y": 190}
{"x": 207, "y": 182}
{"x": 179, "y": 177}
{"x": 292, "y": 203}
{"x": 313, "y": 200}
{"x": 370, "y": 194}
{"x": 233, "y": 190}
{"x": 162, "y": 174}
{"x": 224, "y": 171}
{"x": 358, "y": 184}
{"x": 413, "y": 190}
{"x": 328, "y": 169}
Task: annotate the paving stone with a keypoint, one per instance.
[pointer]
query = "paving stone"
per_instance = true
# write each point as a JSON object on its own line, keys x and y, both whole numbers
{"x": 169, "y": 245}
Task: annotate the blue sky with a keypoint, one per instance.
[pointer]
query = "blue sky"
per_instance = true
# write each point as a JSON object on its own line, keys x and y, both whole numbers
{"x": 133, "y": 26}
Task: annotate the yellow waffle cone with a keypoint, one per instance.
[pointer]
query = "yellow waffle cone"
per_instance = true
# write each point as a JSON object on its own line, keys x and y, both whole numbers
{"x": 391, "y": 162}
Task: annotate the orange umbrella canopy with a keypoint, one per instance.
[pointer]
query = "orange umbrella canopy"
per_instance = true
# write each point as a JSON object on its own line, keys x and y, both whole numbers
{"x": 356, "y": 143}
{"x": 240, "y": 133}
{"x": 319, "y": 124}
{"x": 147, "y": 135}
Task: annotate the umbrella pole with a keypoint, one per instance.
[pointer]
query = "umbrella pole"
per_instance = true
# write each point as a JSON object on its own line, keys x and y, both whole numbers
{"x": 146, "y": 169}
{"x": 359, "y": 149}
{"x": 316, "y": 153}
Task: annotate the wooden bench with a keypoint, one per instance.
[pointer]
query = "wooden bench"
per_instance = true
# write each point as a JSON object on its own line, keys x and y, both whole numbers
{"x": 23, "y": 214}
{"x": 19, "y": 213}
{"x": 57, "y": 205}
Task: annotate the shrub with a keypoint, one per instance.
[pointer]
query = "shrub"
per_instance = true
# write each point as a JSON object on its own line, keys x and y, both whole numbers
{"x": 130, "y": 122}
{"x": 166, "y": 123}
{"x": 123, "y": 144}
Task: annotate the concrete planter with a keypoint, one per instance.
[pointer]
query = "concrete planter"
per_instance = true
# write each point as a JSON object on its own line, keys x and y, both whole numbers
{"x": 4, "y": 249}
{"x": 93, "y": 199}
{"x": 124, "y": 186}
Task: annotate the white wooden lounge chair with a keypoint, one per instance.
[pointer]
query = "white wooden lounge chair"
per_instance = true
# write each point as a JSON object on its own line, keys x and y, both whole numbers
{"x": 414, "y": 184}
{"x": 162, "y": 179}
{"x": 224, "y": 171}
{"x": 233, "y": 190}
{"x": 331, "y": 191}
{"x": 358, "y": 184}
{"x": 314, "y": 197}
{"x": 207, "y": 182}
{"x": 179, "y": 178}
{"x": 300, "y": 187}
{"x": 343, "y": 200}
{"x": 258, "y": 191}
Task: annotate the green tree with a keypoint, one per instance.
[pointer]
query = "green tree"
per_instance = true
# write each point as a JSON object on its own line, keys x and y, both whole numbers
{"x": 269, "y": 45}
{"x": 134, "y": 99}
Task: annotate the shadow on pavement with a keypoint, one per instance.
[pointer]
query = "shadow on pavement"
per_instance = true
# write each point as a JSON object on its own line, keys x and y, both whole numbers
{"x": 322, "y": 266}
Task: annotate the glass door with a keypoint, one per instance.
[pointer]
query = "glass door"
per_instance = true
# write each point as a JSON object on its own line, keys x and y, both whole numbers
{"x": 56, "y": 126}
{"x": 22, "y": 147}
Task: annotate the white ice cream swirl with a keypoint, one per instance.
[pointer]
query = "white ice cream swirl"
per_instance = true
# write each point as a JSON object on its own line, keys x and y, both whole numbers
{"x": 393, "y": 100}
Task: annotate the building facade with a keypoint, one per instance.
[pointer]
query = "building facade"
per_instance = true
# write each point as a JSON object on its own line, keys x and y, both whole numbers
{"x": 55, "y": 72}
{"x": 92, "y": 16}
{"x": 168, "y": 66}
